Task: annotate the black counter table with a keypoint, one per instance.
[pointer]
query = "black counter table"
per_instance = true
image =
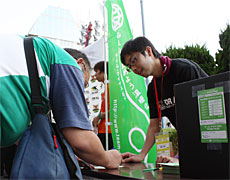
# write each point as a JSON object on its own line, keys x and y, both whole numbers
{"x": 128, "y": 171}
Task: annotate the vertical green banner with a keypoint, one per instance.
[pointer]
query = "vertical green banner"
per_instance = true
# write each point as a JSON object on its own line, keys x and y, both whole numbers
{"x": 129, "y": 110}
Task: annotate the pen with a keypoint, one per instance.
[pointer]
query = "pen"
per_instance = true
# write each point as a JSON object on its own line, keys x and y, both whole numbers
{"x": 152, "y": 169}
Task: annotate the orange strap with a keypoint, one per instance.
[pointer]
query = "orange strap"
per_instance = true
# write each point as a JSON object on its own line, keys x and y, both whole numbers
{"x": 156, "y": 94}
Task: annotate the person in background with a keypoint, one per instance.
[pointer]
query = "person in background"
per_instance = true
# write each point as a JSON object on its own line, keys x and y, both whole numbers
{"x": 62, "y": 86}
{"x": 99, "y": 121}
{"x": 140, "y": 56}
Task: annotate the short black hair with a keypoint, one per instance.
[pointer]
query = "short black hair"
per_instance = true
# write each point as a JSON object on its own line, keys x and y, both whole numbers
{"x": 138, "y": 44}
{"x": 78, "y": 54}
{"x": 101, "y": 67}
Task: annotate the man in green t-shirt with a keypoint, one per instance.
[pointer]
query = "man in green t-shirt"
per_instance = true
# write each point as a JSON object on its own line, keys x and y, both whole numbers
{"x": 62, "y": 86}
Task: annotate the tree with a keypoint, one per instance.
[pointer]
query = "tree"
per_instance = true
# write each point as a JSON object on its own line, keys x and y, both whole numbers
{"x": 223, "y": 56}
{"x": 197, "y": 53}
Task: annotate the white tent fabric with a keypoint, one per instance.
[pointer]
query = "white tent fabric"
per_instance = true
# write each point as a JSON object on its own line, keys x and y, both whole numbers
{"x": 95, "y": 51}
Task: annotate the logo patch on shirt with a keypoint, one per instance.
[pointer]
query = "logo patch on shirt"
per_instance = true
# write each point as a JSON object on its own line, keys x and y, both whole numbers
{"x": 167, "y": 103}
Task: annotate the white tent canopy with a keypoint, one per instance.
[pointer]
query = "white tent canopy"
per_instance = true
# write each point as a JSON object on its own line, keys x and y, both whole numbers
{"x": 95, "y": 51}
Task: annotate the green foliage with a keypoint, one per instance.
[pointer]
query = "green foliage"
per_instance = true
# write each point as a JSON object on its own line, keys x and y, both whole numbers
{"x": 172, "y": 138}
{"x": 197, "y": 53}
{"x": 223, "y": 56}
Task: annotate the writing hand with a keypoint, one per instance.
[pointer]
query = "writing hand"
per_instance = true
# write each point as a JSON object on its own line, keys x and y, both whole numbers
{"x": 130, "y": 157}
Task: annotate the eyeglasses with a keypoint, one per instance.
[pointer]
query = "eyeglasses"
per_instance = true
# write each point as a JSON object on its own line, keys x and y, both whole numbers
{"x": 84, "y": 67}
{"x": 133, "y": 62}
{"x": 84, "y": 70}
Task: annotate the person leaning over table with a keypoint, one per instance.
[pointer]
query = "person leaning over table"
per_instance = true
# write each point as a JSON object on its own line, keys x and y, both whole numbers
{"x": 81, "y": 58}
{"x": 62, "y": 84}
{"x": 140, "y": 56}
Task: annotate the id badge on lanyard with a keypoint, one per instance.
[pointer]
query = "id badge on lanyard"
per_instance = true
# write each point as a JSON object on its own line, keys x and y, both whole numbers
{"x": 162, "y": 144}
{"x": 162, "y": 138}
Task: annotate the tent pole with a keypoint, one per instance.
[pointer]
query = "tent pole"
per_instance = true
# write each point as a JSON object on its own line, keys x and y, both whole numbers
{"x": 142, "y": 18}
{"x": 105, "y": 79}
{"x": 143, "y": 31}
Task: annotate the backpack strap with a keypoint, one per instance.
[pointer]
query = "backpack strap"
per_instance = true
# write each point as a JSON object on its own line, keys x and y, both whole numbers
{"x": 36, "y": 97}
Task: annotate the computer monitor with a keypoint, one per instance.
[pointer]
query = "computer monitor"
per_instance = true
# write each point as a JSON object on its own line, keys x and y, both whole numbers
{"x": 202, "y": 113}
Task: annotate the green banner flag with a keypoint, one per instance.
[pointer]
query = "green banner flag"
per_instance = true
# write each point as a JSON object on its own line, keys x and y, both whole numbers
{"x": 129, "y": 109}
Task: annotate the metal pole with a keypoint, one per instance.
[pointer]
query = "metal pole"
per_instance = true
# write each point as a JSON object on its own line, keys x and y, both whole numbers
{"x": 143, "y": 31}
{"x": 142, "y": 18}
{"x": 105, "y": 80}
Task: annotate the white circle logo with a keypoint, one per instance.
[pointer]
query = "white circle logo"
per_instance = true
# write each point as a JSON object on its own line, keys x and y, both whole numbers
{"x": 130, "y": 138}
{"x": 117, "y": 17}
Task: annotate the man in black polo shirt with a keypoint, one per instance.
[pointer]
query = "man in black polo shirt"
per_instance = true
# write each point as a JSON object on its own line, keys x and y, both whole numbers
{"x": 140, "y": 56}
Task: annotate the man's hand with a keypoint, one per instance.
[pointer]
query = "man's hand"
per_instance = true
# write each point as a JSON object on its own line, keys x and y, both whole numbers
{"x": 129, "y": 157}
{"x": 115, "y": 159}
{"x": 88, "y": 147}
{"x": 166, "y": 159}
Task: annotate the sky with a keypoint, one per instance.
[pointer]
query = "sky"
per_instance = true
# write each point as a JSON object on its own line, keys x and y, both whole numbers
{"x": 167, "y": 22}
